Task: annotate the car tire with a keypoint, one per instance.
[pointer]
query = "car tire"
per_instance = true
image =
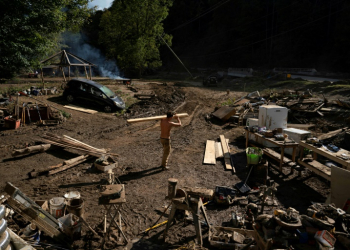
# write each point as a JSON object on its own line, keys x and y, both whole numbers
{"x": 107, "y": 109}
{"x": 70, "y": 98}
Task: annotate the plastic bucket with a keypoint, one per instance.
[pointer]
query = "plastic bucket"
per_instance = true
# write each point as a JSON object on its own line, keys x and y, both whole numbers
{"x": 76, "y": 207}
{"x": 56, "y": 206}
{"x": 253, "y": 155}
{"x": 172, "y": 183}
{"x": 72, "y": 195}
{"x": 71, "y": 225}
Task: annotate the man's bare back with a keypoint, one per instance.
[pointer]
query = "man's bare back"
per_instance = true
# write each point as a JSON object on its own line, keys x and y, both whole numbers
{"x": 166, "y": 125}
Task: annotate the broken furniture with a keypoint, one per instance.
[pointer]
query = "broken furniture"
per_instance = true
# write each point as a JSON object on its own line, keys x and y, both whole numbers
{"x": 33, "y": 213}
{"x": 272, "y": 154}
{"x": 230, "y": 238}
{"x": 342, "y": 157}
{"x": 193, "y": 204}
{"x": 33, "y": 112}
{"x": 112, "y": 198}
{"x": 153, "y": 118}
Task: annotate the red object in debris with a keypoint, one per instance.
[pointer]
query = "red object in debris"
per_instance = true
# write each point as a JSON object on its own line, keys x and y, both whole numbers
{"x": 11, "y": 123}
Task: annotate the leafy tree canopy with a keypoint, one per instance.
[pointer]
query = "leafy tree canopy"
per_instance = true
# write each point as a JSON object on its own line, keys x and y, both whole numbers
{"x": 130, "y": 32}
{"x": 30, "y": 29}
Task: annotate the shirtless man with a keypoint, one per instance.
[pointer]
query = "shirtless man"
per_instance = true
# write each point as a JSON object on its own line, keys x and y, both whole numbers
{"x": 165, "y": 126}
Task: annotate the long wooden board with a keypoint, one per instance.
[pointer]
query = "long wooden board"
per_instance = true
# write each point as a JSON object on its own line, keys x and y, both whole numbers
{"x": 331, "y": 134}
{"x": 218, "y": 149}
{"x": 317, "y": 168}
{"x": 209, "y": 156}
{"x": 89, "y": 111}
{"x": 228, "y": 165}
{"x": 153, "y": 118}
{"x": 226, "y": 152}
{"x": 225, "y": 148}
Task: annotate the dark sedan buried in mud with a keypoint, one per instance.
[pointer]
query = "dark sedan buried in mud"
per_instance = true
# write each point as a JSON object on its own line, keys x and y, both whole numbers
{"x": 93, "y": 93}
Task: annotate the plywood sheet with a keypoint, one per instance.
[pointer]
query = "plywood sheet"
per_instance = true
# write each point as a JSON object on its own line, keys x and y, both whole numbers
{"x": 209, "y": 156}
{"x": 224, "y": 113}
{"x": 340, "y": 186}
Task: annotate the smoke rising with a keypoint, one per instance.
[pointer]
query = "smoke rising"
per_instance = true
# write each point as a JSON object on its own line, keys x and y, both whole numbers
{"x": 77, "y": 45}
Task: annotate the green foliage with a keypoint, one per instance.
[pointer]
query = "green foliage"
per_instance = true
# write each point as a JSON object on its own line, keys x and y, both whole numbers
{"x": 228, "y": 102}
{"x": 65, "y": 114}
{"x": 30, "y": 30}
{"x": 130, "y": 32}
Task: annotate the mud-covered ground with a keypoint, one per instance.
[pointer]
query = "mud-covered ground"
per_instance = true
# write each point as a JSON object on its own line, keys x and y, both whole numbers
{"x": 140, "y": 153}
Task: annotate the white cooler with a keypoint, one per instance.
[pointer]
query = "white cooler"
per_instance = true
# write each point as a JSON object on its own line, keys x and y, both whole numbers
{"x": 297, "y": 135}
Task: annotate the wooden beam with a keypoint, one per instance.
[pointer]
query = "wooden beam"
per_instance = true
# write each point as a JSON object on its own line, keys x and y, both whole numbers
{"x": 72, "y": 163}
{"x": 331, "y": 134}
{"x": 209, "y": 155}
{"x": 89, "y": 111}
{"x": 225, "y": 148}
{"x": 90, "y": 72}
{"x": 317, "y": 168}
{"x": 86, "y": 74}
{"x": 32, "y": 149}
{"x": 50, "y": 57}
{"x": 153, "y": 118}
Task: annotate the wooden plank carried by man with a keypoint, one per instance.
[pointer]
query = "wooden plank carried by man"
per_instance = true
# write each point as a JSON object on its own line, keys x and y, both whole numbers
{"x": 154, "y": 118}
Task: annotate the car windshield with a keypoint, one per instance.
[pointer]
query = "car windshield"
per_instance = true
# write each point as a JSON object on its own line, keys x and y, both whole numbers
{"x": 108, "y": 92}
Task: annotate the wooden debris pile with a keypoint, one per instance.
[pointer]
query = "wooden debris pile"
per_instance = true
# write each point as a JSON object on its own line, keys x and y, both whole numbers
{"x": 240, "y": 107}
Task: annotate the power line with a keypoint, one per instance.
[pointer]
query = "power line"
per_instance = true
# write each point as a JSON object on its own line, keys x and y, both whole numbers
{"x": 235, "y": 26}
{"x": 230, "y": 50}
{"x": 212, "y": 8}
{"x": 255, "y": 34}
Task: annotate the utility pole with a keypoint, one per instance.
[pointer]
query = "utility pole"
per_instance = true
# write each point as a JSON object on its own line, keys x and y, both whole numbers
{"x": 176, "y": 56}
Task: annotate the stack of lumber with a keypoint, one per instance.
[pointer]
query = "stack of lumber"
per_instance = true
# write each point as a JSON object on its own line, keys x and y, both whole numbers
{"x": 69, "y": 142}
{"x": 215, "y": 150}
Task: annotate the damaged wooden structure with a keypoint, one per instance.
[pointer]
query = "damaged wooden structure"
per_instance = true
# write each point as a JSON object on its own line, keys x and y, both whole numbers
{"x": 61, "y": 60}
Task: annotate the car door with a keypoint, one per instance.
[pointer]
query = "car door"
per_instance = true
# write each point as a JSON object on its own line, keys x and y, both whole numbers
{"x": 99, "y": 97}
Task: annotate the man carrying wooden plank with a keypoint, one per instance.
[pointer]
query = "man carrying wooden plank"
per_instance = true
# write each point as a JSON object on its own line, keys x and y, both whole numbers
{"x": 165, "y": 126}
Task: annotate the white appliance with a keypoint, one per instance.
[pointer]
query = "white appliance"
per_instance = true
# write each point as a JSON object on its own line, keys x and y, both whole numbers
{"x": 252, "y": 122}
{"x": 273, "y": 116}
{"x": 297, "y": 135}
